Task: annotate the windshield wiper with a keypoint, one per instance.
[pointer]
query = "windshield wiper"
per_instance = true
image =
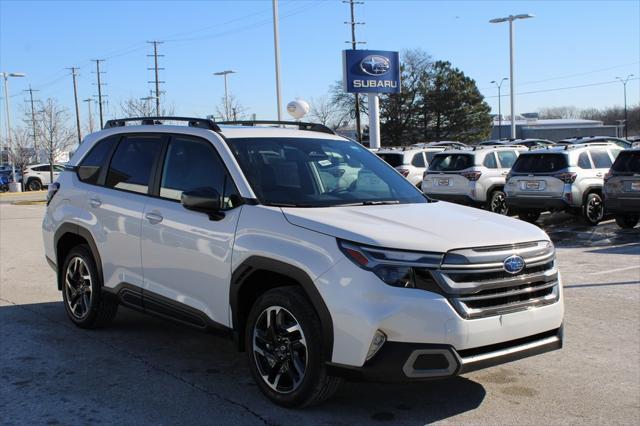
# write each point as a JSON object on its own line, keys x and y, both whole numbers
{"x": 368, "y": 203}
{"x": 289, "y": 205}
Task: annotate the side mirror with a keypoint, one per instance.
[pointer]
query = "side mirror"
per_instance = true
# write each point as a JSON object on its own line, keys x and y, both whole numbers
{"x": 205, "y": 200}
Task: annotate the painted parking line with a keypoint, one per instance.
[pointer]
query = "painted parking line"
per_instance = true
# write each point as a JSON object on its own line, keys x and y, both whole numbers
{"x": 613, "y": 270}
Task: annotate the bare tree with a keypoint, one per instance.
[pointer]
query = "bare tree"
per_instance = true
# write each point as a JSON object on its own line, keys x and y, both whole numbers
{"x": 135, "y": 107}
{"x": 22, "y": 151}
{"x": 55, "y": 134}
{"x": 325, "y": 111}
{"x": 236, "y": 110}
{"x": 560, "y": 112}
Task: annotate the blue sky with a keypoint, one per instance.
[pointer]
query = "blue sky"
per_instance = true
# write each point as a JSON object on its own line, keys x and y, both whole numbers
{"x": 569, "y": 43}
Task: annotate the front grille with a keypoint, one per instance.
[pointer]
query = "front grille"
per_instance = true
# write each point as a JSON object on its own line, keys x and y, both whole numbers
{"x": 477, "y": 285}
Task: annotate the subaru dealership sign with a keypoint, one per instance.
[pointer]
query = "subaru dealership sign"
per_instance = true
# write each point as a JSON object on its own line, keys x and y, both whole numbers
{"x": 371, "y": 71}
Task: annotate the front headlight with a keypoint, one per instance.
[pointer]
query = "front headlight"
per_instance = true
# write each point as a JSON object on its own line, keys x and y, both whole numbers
{"x": 396, "y": 268}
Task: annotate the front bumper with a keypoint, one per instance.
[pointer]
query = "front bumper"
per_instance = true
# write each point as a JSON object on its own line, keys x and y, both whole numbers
{"x": 402, "y": 362}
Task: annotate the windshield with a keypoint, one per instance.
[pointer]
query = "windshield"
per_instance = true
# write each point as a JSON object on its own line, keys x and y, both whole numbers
{"x": 394, "y": 160}
{"x": 451, "y": 162}
{"x": 301, "y": 172}
{"x": 540, "y": 163}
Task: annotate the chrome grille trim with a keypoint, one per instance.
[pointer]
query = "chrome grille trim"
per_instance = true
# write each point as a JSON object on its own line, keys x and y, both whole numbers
{"x": 473, "y": 313}
{"x": 508, "y": 293}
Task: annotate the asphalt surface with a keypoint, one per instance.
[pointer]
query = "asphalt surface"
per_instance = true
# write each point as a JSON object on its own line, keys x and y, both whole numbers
{"x": 142, "y": 370}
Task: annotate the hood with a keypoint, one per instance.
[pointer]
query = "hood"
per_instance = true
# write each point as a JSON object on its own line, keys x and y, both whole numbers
{"x": 434, "y": 227}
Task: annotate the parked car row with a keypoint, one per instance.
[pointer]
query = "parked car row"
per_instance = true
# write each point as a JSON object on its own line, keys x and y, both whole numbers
{"x": 33, "y": 177}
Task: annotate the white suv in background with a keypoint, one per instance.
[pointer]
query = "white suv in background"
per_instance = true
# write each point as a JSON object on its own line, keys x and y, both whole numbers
{"x": 473, "y": 177}
{"x": 37, "y": 176}
{"x": 410, "y": 162}
{"x": 319, "y": 260}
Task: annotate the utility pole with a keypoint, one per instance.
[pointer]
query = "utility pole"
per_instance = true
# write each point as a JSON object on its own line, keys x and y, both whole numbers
{"x": 276, "y": 49}
{"x": 354, "y": 45}
{"x": 98, "y": 72}
{"x": 156, "y": 69}
{"x": 624, "y": 82}
{"x": 33, "y": 122}
{"x": 499, "y": 86}
{"x": 75, "y": 97}
{"x": 88, "y": 101}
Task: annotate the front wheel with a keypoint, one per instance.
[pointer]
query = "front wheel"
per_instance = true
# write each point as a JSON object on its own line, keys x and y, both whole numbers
{"x": 593, "y": 209}
{"x": 284, "y": 344}
{"x": 498, "y": 202}
{"x": 628, "y": 220}
{"x": 529, "y": 216}
{"x": 34, "y": 185}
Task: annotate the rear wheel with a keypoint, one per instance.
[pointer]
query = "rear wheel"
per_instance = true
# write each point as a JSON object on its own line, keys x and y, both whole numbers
{"x": 498, "y": 202}
{"x": 284, "y": 344}
{"x": 628, "y": 220}
{"x": 34, "y": 185}
{"x": 529, "y": 216}
{"x": 81, "y": 291}
{"x": 593, "y": 209}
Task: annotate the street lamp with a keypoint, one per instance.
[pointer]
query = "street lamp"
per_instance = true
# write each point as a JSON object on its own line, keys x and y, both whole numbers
{"x": 6, "y": 76}
{"x": 624, "y": 82}
{"x": 510, "y": 19}
{"x": 499, "y": 86}
{"x": 226, "y": 95}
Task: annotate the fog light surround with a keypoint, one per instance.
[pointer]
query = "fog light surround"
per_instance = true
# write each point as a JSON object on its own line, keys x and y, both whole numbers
{"x": 379, "y": 339}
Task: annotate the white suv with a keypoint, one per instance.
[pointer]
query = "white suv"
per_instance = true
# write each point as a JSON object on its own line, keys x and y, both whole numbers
{"x": 472, "y": 177}
{"x": 409, "y": 162}
{"x": 37, "y": 176}
{"x": 303, "y": 247}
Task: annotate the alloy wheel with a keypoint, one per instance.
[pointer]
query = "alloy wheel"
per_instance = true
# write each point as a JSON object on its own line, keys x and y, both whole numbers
{"x": 595, "y": 209}
{"x": 280, "y": 349}
{"x": 499, "y": 204}
{"x": 78, "y": 287}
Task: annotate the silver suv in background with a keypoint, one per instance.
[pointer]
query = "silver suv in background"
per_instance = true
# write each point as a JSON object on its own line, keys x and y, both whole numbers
{"x": 567, "y": 178}
{"x": 622, "y": 188}
{"x": 410, "y": 162}
{"x": 37, "y": 176}
{"x": 596, "y": 139}
{"x": 473, "y": 177}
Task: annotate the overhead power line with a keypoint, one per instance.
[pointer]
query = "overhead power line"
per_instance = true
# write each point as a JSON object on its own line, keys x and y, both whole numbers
{"x": 565, "y": 88}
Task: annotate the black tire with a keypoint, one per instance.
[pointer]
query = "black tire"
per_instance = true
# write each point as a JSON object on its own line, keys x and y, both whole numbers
{"x": 498, "y": 203}
{"x": 34, "y": 185}
{"x": 530, "y": 216}
{"x": 94, "y": 310}
{"x": 314, "y": 385}
{"x": 627, "y": 220}
{"x": 593, "y": 209}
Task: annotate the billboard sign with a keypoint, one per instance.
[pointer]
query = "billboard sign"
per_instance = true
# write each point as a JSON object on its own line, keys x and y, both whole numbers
{"x": 371, "y": 71}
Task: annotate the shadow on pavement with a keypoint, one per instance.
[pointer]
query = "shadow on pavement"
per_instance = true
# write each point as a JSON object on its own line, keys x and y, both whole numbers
{"x": 147, "y": 370}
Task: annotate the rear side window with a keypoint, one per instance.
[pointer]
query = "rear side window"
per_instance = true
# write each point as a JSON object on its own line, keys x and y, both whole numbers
{"x": 540, "y": 163}
{"x": 92, "y": 163}
{"x": 131, "y": 165}
{"x": 430, "y": 155}
{"x": 394, "y": 160}
{"x": 583, "y": 161}
{"x": 451, "y": 162}
{"x": 601, "y": 159}
{"x": 193, "y": 164}
{"x": 490, "y": 161}
{"x": 418, "y": 160}
{"x": 627, "y": 162}
{"x": 507, "y": 158}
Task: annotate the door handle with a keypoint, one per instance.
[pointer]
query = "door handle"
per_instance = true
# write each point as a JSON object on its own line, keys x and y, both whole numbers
{"x": 153, "y": 218}
{"x": 95, "y": 202}
{"x": 599, "y": 174}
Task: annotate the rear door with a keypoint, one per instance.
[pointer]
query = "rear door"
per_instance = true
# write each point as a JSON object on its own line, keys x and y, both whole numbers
{"x": 534, "y": 175}
{"x": 186, "y": 255}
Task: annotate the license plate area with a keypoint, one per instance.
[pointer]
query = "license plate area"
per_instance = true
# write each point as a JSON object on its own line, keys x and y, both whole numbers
{"x": 443, "y": 182}
{"x": 635, "y": 186}
{"x": 532, "y": 185}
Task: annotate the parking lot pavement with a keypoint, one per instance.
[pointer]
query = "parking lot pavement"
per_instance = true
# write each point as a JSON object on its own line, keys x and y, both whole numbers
{"x": 146, "y": 371}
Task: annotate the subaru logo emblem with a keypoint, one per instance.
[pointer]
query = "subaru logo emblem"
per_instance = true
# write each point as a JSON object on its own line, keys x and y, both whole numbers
{"x": 513, "y": 264}
{"x": 375, "y": 65}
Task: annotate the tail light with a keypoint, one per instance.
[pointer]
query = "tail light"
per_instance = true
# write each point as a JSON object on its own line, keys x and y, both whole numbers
{"x": 53, "y": 189}
{"x": 404, "y": 172}
{"x": 568, "y": 177}
{"x": 472, "y": 176}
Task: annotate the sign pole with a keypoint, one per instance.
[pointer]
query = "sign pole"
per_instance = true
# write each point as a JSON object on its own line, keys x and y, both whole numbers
{"x": 374, "y": 120}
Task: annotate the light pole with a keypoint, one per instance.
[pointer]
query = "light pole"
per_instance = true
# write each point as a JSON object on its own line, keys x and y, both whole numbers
{"x": 624, "y": 82}
{"x": 88, "y": 101}
{"x": 6, "y": 76}
{"x": 276, "y": 51}
{"x": 510, "y": 19}
{"x": 226, "y": 95}
{"x": 499, "y": 86}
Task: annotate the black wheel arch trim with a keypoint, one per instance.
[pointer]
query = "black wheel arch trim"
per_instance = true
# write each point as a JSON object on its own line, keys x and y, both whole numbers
{"x": 260, "y": 263}
{"x": 493, "y": 188}
{"x": 593, "y": 189}
{"x": 75, "y": 229}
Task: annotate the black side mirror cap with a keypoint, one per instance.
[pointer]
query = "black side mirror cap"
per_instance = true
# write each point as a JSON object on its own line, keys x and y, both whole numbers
{"x": 204, "y": 200}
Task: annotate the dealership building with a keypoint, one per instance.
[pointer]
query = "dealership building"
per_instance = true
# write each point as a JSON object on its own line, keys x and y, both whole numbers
{"x": 553, "y": 129}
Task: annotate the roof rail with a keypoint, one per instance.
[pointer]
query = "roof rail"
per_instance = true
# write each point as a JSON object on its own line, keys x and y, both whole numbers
{"x": 314, "y": 127}
{"x": 203, "y": 123}
{"x": 583, "y": 145}
{"x": 478, "y": 147}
